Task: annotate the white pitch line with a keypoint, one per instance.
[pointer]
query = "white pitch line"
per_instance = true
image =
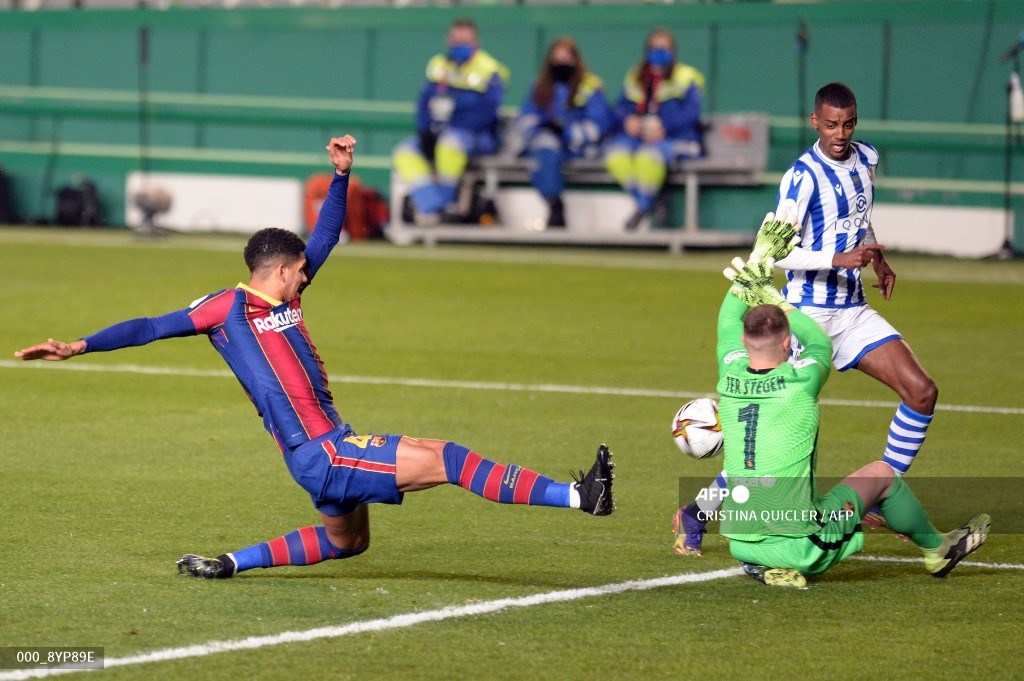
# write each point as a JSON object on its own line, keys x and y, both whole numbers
{"x": 477, "y": 385}
{"x": 385, "y": 623}
{"x": 414, "y": 618}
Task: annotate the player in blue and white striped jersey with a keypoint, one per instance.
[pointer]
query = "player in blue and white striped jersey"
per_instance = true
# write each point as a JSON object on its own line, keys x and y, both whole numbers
{"x": 831, "y": 188}
{"x": 833, "y": 204}
{"x": 832, "y": 185}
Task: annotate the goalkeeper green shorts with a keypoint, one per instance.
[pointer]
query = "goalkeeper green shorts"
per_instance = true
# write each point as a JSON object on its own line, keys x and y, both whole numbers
{"x": 838, "y": 539}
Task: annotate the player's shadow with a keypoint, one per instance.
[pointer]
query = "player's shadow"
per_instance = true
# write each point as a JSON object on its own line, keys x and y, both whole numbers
{"x": 854, "y": 571}
{"x": 419, "y": 575}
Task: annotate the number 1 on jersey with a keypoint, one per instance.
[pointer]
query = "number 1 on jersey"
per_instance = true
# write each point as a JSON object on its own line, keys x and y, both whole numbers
{"x": 748, "y": 416}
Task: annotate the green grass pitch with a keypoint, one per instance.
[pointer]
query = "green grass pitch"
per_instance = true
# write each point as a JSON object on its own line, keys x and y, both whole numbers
{"x": 110, "y": 475}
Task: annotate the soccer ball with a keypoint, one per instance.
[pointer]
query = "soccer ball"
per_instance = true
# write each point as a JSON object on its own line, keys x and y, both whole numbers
{"x": 697, "y": 430}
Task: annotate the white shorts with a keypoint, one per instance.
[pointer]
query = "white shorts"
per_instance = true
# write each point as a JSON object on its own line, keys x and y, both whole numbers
{"x": 855, "y": 331}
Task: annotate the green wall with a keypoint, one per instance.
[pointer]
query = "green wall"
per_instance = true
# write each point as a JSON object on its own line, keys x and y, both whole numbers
{"x": 935, "y": 61}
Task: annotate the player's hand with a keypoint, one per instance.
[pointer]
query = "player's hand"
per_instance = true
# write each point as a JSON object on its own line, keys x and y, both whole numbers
{"x": 753, "y": 281}
{"x": 750, "y": 278}
{"x": 886, "y": 277}
{"x": 858, "y": 257}
{"x": 52, "y": 351}
{"x": 778, "y": 234}
{"x": 340, "y": 149}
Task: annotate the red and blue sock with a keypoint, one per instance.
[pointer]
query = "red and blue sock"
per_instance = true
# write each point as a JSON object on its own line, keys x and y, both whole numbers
{"x": 304, "y": 546}
{"x": 503, "y": 483}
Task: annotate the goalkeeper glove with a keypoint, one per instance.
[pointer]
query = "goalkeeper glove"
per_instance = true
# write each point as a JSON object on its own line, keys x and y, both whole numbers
{"x": 778, "y": 235}
{"x": 753, "y": 282}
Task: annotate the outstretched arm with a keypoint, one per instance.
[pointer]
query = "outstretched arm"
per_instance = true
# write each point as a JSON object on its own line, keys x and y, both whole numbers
{"x": 327, "y": 231}
{"x": 122, "y": 335}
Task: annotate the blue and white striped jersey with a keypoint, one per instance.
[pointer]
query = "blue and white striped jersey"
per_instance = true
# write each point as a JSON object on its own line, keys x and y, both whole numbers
{"x": 834, "y": 201}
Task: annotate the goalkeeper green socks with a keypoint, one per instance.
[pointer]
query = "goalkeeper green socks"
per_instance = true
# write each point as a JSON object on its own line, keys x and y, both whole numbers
{"x": 905, "y": 515}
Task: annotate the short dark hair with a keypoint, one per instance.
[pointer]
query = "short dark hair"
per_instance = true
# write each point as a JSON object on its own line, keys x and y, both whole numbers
{"x": 835, "y": 94}
{"x": 765, "y": 322}
{"x": 272, "y": 245}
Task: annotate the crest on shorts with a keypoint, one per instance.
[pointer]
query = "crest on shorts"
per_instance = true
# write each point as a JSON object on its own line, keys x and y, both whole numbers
{"x": 378, "y": 441}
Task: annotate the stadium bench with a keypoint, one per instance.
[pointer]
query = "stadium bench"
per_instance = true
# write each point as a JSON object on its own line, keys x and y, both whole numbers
{"x": 736, "y": 147}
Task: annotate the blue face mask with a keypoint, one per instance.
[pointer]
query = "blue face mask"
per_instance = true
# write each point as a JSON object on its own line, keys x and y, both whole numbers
{"x": 460, "y": 54}
{"x": 659, "y": 56}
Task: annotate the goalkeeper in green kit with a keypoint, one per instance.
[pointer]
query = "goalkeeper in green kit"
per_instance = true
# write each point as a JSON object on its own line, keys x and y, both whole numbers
{"x": 777, "y": 524}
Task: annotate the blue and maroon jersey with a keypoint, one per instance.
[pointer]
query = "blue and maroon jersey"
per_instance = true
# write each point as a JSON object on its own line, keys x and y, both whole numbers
{"x": 266, "y": 344}
{"x": 264, "y": 341}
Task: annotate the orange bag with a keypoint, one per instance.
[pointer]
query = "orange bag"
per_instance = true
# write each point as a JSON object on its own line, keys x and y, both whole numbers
{"x": 365, "y": 211}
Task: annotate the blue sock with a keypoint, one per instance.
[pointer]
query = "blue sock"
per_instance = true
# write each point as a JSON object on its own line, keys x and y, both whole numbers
{"x": 906, "y": 436}
{"x": 711, "y": 497}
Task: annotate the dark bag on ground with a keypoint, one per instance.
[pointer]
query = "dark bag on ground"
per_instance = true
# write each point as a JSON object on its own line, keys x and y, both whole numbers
{"x": 79, "y": 206}
{"x": 7, "y": 216}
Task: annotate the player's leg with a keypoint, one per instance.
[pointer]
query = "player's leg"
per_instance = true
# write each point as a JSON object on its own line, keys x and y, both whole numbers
{"x": 895, "y": 365}
{"x": 689, "y": 521}
{"x": 863, "y": 339}
{"x": 421, "y": 464}
{"x": 342, "y": 535}
{"x": 877, "y": 483}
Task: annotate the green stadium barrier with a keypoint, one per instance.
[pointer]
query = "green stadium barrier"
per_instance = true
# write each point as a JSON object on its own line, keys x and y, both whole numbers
{"x": 256, "y": 90}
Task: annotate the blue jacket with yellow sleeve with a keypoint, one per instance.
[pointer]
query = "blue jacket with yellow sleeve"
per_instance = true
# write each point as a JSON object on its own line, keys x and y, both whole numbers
{"x": 476, "y": 88}
{"x": 676, "y": 100}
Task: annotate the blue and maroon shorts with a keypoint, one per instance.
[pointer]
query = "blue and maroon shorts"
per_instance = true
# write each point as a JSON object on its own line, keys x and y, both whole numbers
{"x": 341, "y": 470}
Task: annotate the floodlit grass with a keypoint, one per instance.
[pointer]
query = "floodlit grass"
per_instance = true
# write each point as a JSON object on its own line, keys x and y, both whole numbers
{"x": 109, "y": 477}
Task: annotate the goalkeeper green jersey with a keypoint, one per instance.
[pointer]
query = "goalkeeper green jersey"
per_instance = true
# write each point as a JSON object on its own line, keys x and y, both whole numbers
{"x": 770, "y": 425}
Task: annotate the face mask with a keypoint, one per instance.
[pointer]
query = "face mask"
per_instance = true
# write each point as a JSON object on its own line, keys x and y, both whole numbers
{"x": 561, "y": 72}
{"x": 659, "y": 56}
{"x": 460, "y": 54}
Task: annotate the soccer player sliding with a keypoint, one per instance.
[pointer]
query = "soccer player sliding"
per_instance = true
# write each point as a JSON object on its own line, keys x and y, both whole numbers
{"x": 779, "y": 527}
{"x": 830, "y": 193}
{"x": 259, "y": 330}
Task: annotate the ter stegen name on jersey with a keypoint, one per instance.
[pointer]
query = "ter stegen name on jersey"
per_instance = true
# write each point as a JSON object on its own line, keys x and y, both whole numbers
{"x": 754, "y": 386}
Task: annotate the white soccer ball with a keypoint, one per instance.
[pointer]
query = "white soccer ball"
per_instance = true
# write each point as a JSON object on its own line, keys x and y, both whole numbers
{"x": 697, "y": 430}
